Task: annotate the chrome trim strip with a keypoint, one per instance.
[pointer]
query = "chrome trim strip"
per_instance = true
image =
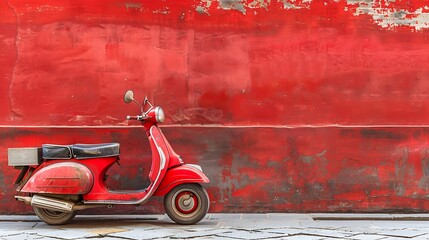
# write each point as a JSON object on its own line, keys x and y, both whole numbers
{"x": 195, "y": 166}
{"x": 162, "y": 156}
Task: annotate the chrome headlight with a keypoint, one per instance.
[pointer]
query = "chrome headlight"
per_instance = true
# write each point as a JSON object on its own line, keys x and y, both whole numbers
{"x": 159, "y": 115}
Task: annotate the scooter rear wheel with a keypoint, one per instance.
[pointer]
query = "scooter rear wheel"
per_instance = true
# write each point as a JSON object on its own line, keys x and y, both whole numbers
{"x": 53, "y": 217}
{"x": 187, "y": 204}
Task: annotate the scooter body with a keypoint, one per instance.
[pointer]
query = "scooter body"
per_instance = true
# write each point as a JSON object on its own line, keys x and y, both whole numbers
{"x": 71, "y": 178}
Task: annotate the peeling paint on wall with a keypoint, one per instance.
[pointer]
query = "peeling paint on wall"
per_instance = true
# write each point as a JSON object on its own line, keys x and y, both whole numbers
{"x": 134, "y": 6}
{"x": 388, "y": 14}
{"x": 390, "y": 17}
{"x": 295, "y": 4}
{"x": 259, "y": 4}
{"x": 238, "y": 5}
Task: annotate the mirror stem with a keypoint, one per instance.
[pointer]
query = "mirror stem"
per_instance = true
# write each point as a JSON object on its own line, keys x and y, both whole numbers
{"x": 141, "y": 107}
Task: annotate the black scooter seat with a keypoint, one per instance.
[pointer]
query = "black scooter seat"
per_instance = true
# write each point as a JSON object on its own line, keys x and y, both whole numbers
{"x": 80, "y": 151}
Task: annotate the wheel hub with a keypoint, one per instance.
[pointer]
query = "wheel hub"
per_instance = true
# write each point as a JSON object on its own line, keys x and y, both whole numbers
{"x": 53, "y": 213}
{"x": 186, "y": 202}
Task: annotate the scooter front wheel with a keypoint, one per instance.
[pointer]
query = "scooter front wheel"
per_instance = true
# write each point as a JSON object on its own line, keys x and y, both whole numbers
{"x": 53, "y": 217}
{"x": 187, "y": 203}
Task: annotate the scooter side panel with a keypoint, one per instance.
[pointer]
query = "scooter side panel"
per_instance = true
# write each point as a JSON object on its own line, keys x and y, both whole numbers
{"x": 160, "y": 162}
{"x": 179, "y": 175}
{"x": 60, "y": 178}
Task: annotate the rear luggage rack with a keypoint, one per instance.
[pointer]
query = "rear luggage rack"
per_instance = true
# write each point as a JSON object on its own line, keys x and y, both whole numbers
{"x": 28, "y": 156}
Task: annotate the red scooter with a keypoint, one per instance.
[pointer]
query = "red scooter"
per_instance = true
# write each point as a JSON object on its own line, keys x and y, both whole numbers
{"x": 60, "y": 180}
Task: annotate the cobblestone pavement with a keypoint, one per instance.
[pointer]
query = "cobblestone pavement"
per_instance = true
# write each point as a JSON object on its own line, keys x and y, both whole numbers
{"x": 224, "y": 226}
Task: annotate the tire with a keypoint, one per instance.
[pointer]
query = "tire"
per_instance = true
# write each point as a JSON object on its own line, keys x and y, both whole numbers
{"x": 187, "y": 204}
{"x": 53, "y": 217}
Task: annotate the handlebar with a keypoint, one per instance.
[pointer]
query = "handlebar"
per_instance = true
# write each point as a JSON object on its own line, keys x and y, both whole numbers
{"x": 138, "y": 117}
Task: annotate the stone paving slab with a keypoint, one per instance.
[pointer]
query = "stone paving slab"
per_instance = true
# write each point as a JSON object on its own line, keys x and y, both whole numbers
{"x": 395, "y": 238}
{"x": 211, "y": 237}
{"x": 25, "y": 236}
{"x": 243, "y": 234}
{"x": 366, "y": 237}
{"x": 327, "y": 233}
{"x": 404, "y": 233}
{"x": 424, "y": 237}
{"x": 283, "y": 231}
{"x": 365, "y": 226}
{"x": 208, "y": 233}
{"x": 14, "y": 236}
{"x": 64, "y": 234}
{"x": 145, "y": 234}
{"x": 351, "y": 216}
{"x": 304, "y": 237}
{"x": 12, "y": 226}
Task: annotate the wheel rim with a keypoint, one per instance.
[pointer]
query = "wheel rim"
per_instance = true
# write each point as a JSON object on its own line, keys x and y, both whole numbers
{"x": 186, "y": 203}
{"x": 53, "y": 213}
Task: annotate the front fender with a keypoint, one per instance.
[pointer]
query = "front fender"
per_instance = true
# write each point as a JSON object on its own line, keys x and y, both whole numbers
{"x": 179, "y": 175}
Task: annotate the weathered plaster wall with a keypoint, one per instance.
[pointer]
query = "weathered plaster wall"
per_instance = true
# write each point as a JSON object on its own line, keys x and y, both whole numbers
{"x": 290, "y": 105}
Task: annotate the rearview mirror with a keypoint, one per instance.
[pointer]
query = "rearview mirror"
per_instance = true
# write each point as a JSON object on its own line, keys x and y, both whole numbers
{"x": 129, "y": 96}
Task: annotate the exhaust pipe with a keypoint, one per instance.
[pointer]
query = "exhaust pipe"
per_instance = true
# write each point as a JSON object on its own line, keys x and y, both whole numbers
{"x": 51, "y": 204}
{"x": 54, "y": 204}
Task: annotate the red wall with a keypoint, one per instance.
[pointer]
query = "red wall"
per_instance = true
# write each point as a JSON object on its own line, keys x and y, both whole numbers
{"x": 288, "y": 105}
